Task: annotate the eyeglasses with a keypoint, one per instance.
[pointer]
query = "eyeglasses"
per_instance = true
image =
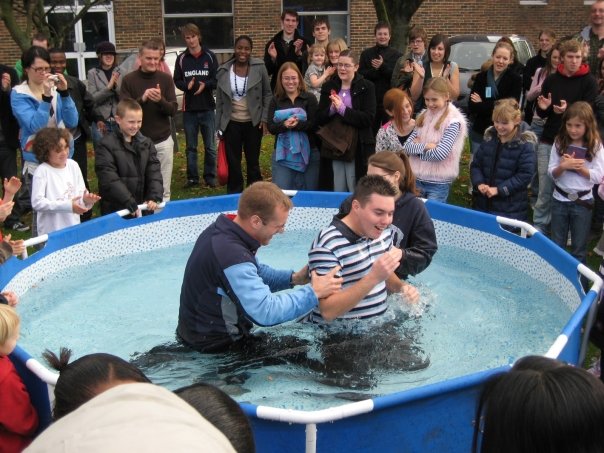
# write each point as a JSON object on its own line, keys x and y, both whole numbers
{"x": 345, "y": 65}
{"x": 41, "y": 69}
{"x": 417, "y": 41}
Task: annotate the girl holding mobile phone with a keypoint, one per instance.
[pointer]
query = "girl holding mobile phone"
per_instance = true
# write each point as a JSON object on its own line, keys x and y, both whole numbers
{"x": 574, "y": 177}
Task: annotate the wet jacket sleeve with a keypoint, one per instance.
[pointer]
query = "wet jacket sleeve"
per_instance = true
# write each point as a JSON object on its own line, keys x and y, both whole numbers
{"x": 253, "y": 286}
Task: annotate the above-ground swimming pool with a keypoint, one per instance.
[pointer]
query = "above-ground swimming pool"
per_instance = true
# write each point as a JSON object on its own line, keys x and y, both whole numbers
{"x": 433, "y": 413}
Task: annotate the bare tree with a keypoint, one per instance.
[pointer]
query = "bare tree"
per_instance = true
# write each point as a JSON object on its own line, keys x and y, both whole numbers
{"x": 21, "y": 18}
{"x": 398, "y": 13}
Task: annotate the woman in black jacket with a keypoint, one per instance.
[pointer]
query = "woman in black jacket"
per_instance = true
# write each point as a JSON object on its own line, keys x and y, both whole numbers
{"x": 497, "y": 82}
{"x": 350, "y": 98}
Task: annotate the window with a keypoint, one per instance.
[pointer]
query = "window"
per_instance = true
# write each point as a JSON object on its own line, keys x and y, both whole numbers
{"x": 213, "y": 17}
{"x": 81, "y": 41}
{"x": 335, "y": 10}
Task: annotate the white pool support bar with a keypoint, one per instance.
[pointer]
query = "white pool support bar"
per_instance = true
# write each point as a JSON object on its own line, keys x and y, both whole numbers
{"x": 44, "y": 237}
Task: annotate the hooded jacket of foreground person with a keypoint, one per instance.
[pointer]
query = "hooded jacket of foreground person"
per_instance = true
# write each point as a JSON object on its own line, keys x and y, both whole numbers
{"x": 132, "y": 417}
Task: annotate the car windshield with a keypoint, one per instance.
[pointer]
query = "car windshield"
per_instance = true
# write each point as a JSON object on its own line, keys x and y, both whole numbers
{"x": 471, "y": 55}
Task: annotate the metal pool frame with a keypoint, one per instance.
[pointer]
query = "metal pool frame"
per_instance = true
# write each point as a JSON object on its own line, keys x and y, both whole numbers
{"x": 431, "y": 418}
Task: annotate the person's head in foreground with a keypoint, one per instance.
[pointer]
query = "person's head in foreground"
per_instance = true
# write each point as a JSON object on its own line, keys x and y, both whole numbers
{"x": 540, "y": 405}
{"x": 134, "y": 417}
{"x": 83, "y": 379}
{"x": 223, "y": 412}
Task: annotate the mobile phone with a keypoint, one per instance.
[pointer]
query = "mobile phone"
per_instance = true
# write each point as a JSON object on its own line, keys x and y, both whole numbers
{"x": 579, "y": 152}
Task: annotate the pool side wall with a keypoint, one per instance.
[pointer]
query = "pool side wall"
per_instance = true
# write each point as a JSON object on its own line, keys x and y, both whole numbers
{"x": 432, "y": 418}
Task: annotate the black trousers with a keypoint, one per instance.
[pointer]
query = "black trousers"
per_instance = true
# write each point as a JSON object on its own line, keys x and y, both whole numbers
{"x": 246, "y": 137}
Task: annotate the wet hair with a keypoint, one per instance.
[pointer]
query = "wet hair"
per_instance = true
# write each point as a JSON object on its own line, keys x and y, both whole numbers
{"x": 372, "y": 184}
{"x": 279, "y": 90}
{"x": 261, "y": 199}
{"x": 29, "y": 56}
{"x": 190, "y": 29}
{"x": 435, "y": 41}
{"x": 393, "y": 101}
{"x": 417, "y": 32}
{"x": 9, "y": 323}
{"x": 570, "y": 45}
{"x": 47, "y": 140}
{"x": 507, "y": 110}
{"x": 584, "y": 113}
{"x": 320, "y": 20}
{"x": 126, "y": 105}
{"x": 393, "y": 161}
{"x": 382, "y": 24}
{"x": 290, "y": 12}
{"x": 441, "y": 87}
{"x": 223, "y": 412}
{"x": 540, "y": 405}
{"x": 350, "y": 54}
{"x": 86, "y": 377}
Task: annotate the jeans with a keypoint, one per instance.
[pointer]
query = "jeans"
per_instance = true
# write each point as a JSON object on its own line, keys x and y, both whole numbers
{"x": 289, "y": 179}
{"x": 568, "y": 216}
{"x": 195, "y": 122}
{"x": 344, "y": 176}
{"x": 433, "y": 191}
{"x": 248, "y": 137}
{"x": 542, "y": 209}
{"x": 165, "y": 154}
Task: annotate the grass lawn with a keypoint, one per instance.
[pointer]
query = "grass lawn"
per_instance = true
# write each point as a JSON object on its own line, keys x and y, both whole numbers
{"x": 458, "y": 196}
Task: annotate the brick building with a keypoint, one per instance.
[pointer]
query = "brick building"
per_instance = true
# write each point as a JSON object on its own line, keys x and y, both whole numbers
{"x": 127, "y": 22}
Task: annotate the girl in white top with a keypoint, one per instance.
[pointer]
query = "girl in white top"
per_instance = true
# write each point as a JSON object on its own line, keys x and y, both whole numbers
{"x": 576, "y": 163}
{"x": 59, "y": 195}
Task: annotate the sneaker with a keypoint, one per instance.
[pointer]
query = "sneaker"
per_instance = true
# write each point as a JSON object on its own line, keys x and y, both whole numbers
{"x": 19, "y": 226}
{"x": 211, "y": 184}
{"x": 190, "y": 184}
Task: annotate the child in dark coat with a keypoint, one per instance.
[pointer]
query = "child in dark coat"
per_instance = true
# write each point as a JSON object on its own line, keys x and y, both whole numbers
{"x": 504, "y": 164}
{"x": 127, "y": 166}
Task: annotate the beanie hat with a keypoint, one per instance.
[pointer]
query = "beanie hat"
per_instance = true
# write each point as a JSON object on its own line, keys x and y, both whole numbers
{"x": 105, "y": 47}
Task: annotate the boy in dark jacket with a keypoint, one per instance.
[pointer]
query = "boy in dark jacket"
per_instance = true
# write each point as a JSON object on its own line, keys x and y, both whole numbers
{"x": 127, "y": 166}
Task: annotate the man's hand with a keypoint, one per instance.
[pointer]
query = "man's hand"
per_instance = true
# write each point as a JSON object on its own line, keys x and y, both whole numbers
{"x": 152, "y": 94}
{"x": 11, "y": 298}
{"x": 6, "y": 81}
{"x": 298, "y": 43}
{"x": 410, "y": 293}
{"x": 544, "y": 102}
{"x": 386, "y": 264}
{"x": 202, "y": 87}
{"x": 377, "y": 62}
{"x": 325, "y": 285}
{"x": 272, "y": 51}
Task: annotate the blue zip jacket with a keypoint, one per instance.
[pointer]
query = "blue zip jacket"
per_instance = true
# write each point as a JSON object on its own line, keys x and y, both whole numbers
{"x": 33, "y": 115}
{"x": 226, "y": 290}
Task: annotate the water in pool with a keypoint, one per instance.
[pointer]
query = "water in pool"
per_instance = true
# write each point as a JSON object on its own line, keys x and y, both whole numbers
{"x": 475, "y": 313}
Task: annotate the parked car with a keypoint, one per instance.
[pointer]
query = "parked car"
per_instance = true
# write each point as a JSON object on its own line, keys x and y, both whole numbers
{"x": 471, "y": 51}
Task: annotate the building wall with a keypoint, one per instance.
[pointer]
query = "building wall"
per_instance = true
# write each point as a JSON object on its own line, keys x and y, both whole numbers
{"x": 139, "y": 19}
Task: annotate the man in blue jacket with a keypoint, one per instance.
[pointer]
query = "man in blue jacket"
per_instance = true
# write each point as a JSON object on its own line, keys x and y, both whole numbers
{"x": 226, "y": 290}
{"x": 195, "y": 75}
